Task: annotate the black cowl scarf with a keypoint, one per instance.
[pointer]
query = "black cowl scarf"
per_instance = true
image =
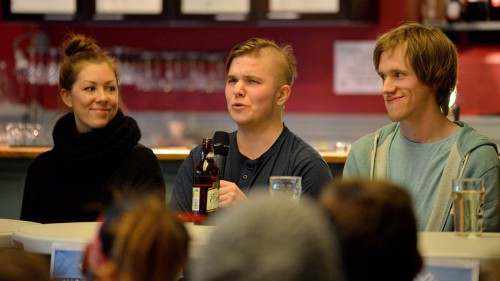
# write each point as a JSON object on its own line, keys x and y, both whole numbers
{"x": 83, "y": 173}
{"x": 105, "y": 144}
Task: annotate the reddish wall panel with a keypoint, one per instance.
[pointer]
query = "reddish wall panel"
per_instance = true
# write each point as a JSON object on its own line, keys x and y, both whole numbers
{"x": 313, "y": 45}
{"x": 479, "y": 81}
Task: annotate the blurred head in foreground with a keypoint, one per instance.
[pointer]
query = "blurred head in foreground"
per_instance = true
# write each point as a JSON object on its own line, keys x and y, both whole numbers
{"x": 267, "y": 239}
{"x": 376, "y": 227}
{"x": 140, "y": 239}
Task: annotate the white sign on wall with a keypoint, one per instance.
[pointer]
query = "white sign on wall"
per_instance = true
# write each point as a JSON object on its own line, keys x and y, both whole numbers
{"x": 354, "y": 72}
{"x": 301, "y": 6}
{"x": 215, "y": 6}
{"x": 145, "y": 7}
{"x": 43, "y": 7}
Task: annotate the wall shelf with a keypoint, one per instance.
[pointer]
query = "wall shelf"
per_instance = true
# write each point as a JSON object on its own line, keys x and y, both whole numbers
{"x": 467, "y": 34}
{"x": 471, "y": 26}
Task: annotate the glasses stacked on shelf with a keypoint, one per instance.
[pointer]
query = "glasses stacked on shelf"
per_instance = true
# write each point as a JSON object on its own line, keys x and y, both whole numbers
{"x": 171, "y": 71}
{"x": 37, "y": 63}
{"x": 19, "y": 134}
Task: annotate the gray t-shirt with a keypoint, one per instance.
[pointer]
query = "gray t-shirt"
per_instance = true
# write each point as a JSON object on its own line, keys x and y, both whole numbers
{"x": 418, "y": 167}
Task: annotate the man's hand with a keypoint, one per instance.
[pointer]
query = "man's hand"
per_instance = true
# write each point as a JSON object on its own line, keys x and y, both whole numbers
{"x": 230, "y": 193}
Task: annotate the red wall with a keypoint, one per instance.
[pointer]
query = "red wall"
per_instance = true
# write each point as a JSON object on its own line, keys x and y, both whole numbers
{"x": 479, "y": 80}
{"x": 313, "y": 47}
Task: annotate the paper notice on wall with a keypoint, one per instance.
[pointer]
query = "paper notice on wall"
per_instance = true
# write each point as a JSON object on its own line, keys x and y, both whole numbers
{"x": 301, "y": 6}
{"x": 215, "y": 6}
{"x": 144, "y": 7}
{"x": 354, "y": 73}
{"x": 43, "y": 7}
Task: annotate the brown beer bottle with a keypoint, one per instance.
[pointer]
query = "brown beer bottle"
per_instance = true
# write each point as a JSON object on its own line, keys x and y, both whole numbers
{"x": 205, "y": 184}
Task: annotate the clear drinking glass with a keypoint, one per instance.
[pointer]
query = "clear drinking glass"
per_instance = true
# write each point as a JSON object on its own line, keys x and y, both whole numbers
{"x": 468, "y": 206}
{"x": 287, "y": 186}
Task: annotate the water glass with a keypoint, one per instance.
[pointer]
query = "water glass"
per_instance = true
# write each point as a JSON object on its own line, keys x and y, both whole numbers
{"x": 287, "y": 186}
{"x": 468, "y": 206}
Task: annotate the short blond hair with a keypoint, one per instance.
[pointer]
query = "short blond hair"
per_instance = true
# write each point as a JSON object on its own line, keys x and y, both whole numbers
{"x": 255, "y": 45}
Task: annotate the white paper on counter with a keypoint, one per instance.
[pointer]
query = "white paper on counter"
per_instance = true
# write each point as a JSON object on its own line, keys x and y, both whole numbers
{"x": 143, "y": 7}
{"x": 209, "y": 7}
{"x": 354, "y": 72}
{"x": 66, "y": 261}
{"x": 43, "y": 7}
{"x": 301, "y": 6}
{"x": 449, "y": 269}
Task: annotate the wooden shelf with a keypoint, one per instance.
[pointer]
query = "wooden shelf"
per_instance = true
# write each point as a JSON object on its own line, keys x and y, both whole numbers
{"x": 471, "y": 26}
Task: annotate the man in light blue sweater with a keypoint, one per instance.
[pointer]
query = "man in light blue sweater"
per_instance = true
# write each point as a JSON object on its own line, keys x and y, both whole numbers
{"x": 422, "y": 150}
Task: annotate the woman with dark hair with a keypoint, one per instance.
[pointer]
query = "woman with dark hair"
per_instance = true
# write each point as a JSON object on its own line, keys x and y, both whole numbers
{"x": 96, "y": 154}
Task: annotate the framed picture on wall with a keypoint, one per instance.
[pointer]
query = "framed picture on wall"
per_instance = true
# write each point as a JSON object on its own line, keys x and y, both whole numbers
{"x": 322, "y": 10}
{"x": 85, "y": 10}
{"x": 62, "y": 10}
{"x": 129, "y": 10}
{"x": 212, "y": 10}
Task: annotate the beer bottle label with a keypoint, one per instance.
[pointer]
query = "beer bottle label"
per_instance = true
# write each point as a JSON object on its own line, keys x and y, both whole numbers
{"x": 196, "y": 199}
{"x": 213, "y": 197}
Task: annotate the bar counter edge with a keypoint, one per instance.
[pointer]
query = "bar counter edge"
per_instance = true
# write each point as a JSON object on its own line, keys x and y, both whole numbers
{"x": 15, "y": 160}
{"x": 163, "y": 153}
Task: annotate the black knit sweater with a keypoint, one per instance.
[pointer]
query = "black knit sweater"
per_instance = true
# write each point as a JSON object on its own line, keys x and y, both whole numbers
{"x": 84, "y": 172}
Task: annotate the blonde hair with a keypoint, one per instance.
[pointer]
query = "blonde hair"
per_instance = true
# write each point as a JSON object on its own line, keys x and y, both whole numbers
{"x": 255, "y": 45}
{"x": 146, "y": 241}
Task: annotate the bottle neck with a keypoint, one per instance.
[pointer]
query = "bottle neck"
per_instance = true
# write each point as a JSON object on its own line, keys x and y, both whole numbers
{"x": 206, "y": 149}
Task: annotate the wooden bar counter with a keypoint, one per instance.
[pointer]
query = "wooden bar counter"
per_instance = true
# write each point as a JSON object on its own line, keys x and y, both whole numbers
{"x": 163, "y": 153}
{"x": 15, "y": 160}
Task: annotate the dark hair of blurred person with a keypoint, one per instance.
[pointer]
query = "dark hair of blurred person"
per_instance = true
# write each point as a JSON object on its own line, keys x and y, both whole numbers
{"x": 96, "y": 150}
{"x": 267, "y": 239}
{"x": 376, "y": 227}
{"x": 140, "y": 239}
{"x": 18, "y": 265}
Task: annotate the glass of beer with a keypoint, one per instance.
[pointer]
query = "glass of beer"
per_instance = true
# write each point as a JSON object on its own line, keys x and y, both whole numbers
{"x": 286, "y": 186}
{"x": 468, "y": 206}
